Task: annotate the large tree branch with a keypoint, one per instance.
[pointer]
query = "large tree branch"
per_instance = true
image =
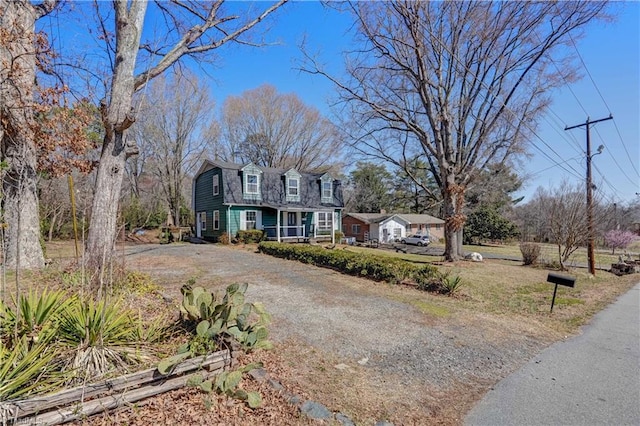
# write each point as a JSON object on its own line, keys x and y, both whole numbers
{"x": 185, "y": 45}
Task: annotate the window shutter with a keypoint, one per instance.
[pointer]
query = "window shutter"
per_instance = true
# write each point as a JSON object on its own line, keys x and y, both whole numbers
{"x": 259, "y": 219}
{"x": 243, "y": 221}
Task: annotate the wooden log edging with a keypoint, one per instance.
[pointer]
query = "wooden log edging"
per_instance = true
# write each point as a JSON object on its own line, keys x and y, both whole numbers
{"x": 83, "y": 401}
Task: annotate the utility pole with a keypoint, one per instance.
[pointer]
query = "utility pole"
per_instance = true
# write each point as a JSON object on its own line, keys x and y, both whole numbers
{"x": 590, "y": 237}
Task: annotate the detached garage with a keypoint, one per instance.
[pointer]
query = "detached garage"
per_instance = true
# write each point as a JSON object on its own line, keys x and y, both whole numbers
{"x": 386, "y": 227}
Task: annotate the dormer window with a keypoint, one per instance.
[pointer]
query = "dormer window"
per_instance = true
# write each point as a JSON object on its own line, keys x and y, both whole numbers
{"x": 251, "y": 176}
{"x": 252, "y": 184}
{"x": 292, "y": 185}
{"x": 326, "y": 188}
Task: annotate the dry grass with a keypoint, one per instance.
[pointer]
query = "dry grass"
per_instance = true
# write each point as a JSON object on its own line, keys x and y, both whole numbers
{"x": 548, "y": 253}
{"x": 502, "y": 299}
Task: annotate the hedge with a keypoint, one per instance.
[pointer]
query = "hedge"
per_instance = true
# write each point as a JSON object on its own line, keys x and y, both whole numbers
{"x": 250, "y": 236}
{"x": 379, "y": 268}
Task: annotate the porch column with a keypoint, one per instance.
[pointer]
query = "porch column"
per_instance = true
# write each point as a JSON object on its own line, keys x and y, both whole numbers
{"x": 278, "y": 224}
{"x": 333, "y": 227}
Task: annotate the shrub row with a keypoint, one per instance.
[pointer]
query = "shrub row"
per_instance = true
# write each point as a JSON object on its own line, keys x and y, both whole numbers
{"x": 378, "y": 268}
{"x": 250, "y": 236}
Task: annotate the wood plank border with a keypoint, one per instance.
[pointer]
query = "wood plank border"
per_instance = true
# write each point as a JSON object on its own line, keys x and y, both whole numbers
{"x": 82, "y": 401}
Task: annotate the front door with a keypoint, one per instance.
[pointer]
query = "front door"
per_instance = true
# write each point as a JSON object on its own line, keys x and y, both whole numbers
{"x": 201, "y": 223}
{"x": 292, "y": 223}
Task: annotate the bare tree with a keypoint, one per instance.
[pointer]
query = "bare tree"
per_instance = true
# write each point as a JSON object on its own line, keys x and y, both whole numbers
{"x": 174, "y": 124}
{"x": 531, "y": 217}
{"x": 459, "y": 84}
{"x": 21, "y": 49}
{"x": 277, "y": 130}
{"x": 196, "y": 28}
{"x": 566, "y": 215}
{"x": 54, "y": 206}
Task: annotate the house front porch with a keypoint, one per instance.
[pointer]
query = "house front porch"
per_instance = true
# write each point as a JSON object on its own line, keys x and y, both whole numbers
{"x": 300, "y": 225}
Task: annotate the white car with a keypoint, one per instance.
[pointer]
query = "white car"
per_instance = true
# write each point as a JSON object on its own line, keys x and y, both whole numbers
{"x": 419, "y": 240}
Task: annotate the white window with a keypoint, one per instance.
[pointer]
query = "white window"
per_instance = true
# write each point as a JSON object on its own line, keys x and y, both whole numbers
{"x": 293, "y": 187}
{"x": 355, "y": 228}
{"x": 216, "y": 219}
{"x": 203, "y": 220}
{"x": 216, "y": 184}
{"x": 251, "y": 218}
{"x": 253, "y": 184}
{"x": 325, "y": 222}
{"x": 327, "y": 190}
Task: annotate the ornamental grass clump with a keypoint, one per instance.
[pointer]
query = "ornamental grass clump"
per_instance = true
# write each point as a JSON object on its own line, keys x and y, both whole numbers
{"x": 100, "y": 337}
{"x": 530, "y": 253}
{"x": 29, "y": 357}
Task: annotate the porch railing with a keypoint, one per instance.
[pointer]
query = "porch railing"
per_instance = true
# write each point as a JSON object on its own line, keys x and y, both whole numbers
{"x": 285, "y": 232}
{"x": 295, "y": 232}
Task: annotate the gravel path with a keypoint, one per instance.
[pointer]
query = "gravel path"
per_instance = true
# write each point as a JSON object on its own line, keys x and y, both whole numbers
{"x": 347, "y": 316}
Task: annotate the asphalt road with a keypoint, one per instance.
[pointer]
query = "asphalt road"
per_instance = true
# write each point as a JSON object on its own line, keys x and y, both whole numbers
{"x": 590, "y": 379}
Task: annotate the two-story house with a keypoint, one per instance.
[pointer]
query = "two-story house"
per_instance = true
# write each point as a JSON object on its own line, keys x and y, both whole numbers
{"x": 286, "y": 204}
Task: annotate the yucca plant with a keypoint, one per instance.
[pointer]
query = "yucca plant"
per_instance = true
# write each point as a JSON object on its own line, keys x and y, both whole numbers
{"x": 103, "y": 336}
{"x": 27, "y": 368}
{"x": 450, "y": 285}
{"x": 39, "y": 315}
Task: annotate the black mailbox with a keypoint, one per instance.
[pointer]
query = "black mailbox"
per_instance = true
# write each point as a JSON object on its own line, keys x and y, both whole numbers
{"x": 561, "y": 279}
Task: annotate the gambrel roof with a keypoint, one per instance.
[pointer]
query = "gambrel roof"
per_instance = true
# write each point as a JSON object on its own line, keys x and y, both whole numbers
{"x": 273, "y": 186}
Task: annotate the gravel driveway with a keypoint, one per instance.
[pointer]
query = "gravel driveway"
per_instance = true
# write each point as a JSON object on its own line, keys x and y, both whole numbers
{"x": 354, "y": 321}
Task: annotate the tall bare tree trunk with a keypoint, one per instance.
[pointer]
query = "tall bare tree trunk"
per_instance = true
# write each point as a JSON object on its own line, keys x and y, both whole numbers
{"x": 117, "y": 113}
{"x": 20, "y": 203}
{"x": 117, "y": 118}
{"x": 17, "y": 82}
{"x": 453, "y": 199}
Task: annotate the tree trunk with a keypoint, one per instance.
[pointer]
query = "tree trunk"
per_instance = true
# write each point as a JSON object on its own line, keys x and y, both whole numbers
{"x": 453, "y": 201}
{"x": 20, "y": 203}
{"x": 117, "y": 118}
{"x": 20, "y": 198}
{"x": 104, "y": 213}
{"x": 52, "y": 225}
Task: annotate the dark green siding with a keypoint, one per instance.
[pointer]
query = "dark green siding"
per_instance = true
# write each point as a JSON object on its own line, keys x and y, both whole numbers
{"x": 207, "y": 202}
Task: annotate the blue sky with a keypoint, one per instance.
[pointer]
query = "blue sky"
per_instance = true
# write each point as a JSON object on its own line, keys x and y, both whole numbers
{"x": 611, "y": 52}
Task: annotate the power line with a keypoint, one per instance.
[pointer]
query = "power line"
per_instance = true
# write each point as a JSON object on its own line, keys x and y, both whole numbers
{"x": 613, "y": 157}
{"x": 584, "y": 65}
{"x": 633, "y": 164}
{"x": 604, "y": 179}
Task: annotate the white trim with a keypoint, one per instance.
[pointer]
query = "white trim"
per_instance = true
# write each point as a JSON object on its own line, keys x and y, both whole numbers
{"x": 257, "y": 184}
{"x": 216, "y": 213}
{"x": 215, "y": 183}
{"x": 326, "y": 179}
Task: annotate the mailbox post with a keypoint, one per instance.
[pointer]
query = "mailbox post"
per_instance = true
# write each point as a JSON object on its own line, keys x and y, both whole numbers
{"x": 558, "y": 279}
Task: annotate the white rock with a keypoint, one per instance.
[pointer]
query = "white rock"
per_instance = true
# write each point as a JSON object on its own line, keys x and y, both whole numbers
{"x": 474, "y": 257}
